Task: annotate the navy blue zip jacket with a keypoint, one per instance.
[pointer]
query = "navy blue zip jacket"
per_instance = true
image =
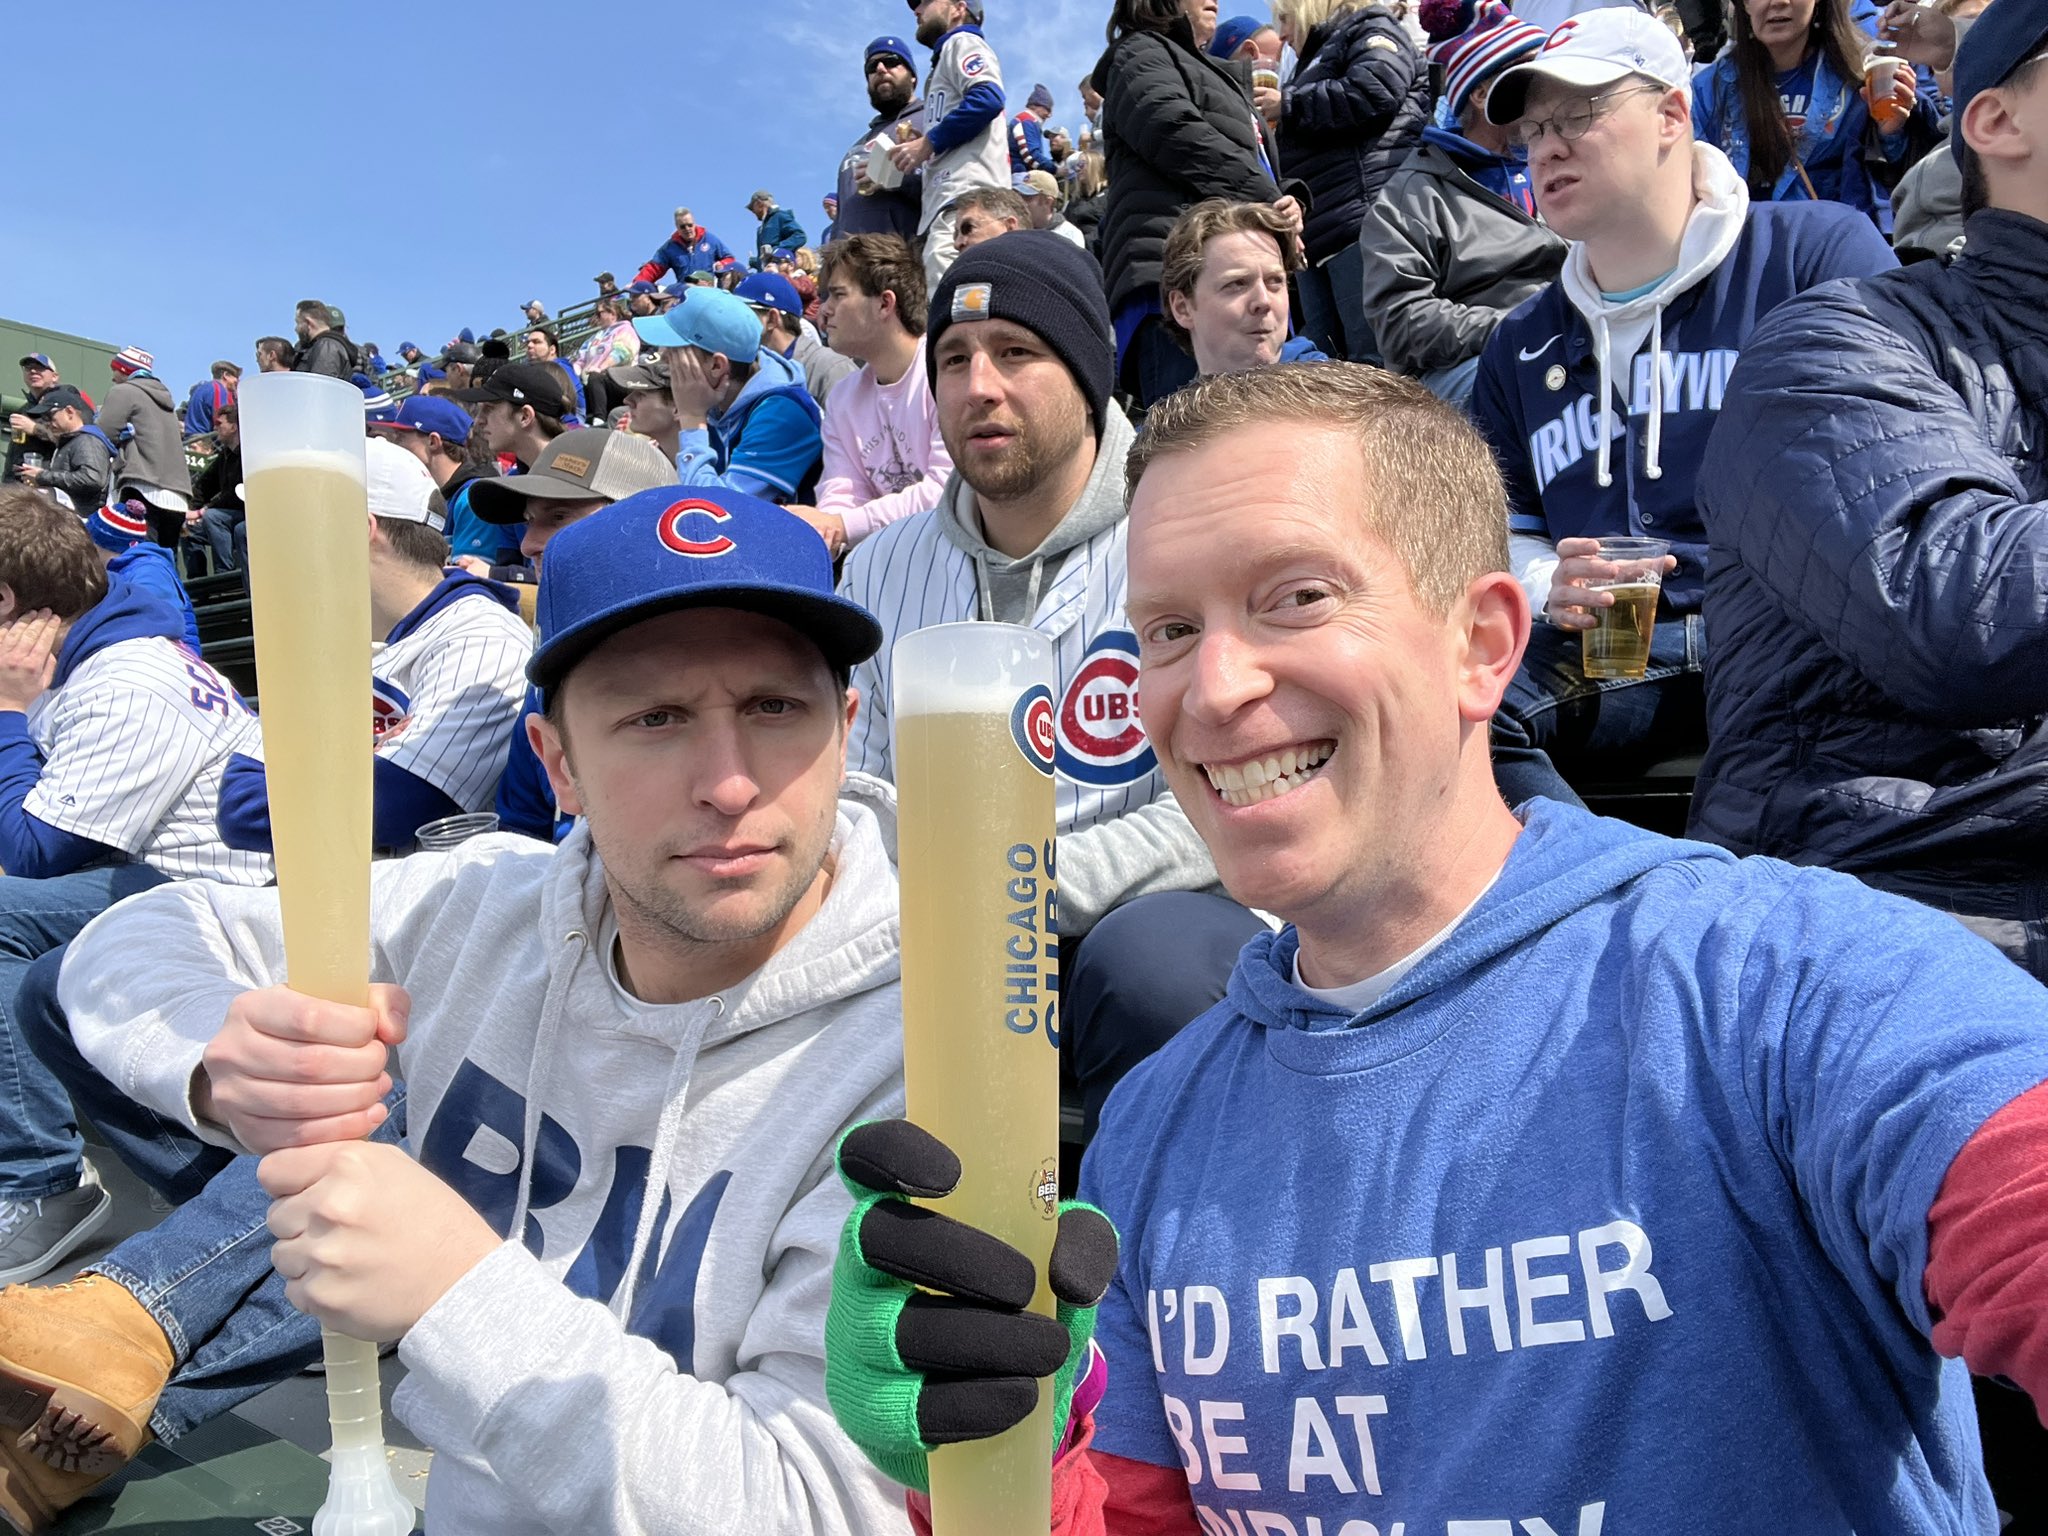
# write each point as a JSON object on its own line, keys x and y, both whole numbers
{"x": 1537, "y": 393}
{"x": 1877, "y": 502}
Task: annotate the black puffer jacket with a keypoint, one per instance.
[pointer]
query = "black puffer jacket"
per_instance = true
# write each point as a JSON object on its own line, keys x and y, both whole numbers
{"x": 330, "y": 353}
{"x": 1876, "y": 505}
{"x": 1177, "y": 126}
{"x": 1357, "y": 104}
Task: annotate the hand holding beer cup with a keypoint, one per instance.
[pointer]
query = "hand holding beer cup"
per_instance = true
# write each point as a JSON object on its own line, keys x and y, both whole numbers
{"x": 1582, "y": 583}
{"x": 1889, "y": 86}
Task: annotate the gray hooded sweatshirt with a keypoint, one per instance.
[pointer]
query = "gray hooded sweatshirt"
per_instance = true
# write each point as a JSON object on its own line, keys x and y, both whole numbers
{"x": 155, "y": 455}
{"x": 635, "y": 1366}
{"x": 1122, "y": 834}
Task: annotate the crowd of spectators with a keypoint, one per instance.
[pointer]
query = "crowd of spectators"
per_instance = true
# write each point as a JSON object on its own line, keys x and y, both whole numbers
{"x": 1612, "y": 298}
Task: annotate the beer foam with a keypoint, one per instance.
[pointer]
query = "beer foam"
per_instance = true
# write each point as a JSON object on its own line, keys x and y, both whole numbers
{"x": 324, "y": 459}
{"x": 969, "y": 669}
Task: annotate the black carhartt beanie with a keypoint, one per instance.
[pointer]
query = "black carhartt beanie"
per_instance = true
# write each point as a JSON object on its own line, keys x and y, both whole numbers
{"x": 1048, "y": 285}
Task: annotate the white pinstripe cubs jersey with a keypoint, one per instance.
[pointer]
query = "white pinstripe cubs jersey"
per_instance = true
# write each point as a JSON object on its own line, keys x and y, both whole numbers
{"x": 445, "y": 694}
{"x": 910, "y": 576}
{"x": 134, "y": 745}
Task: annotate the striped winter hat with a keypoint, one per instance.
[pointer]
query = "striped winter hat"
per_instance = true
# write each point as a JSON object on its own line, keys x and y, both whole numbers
{"x": 131, "y": 360}
{"x": 1472, "y": 39}
{"x": 119, "y": 528}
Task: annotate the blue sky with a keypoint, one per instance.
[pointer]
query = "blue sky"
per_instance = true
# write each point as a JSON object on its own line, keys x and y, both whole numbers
{"x": 430, "y": 165}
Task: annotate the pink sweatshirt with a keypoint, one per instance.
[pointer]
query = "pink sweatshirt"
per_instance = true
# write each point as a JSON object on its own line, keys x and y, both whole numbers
{"x": 883, "y": 456}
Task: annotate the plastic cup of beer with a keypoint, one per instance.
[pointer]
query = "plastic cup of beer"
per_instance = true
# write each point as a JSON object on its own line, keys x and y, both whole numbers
{"x": 454, "y": 831}
{"x": 975, "y": 743}
{"x": 1267, "y": 79}
{"x": 1881, "y": 92}
{"x": 1618, "y": 645}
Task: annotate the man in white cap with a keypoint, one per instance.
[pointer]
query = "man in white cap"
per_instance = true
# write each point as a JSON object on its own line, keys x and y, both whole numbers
{"x": 448, "y": 664}
{"x": 1598, "y": 393}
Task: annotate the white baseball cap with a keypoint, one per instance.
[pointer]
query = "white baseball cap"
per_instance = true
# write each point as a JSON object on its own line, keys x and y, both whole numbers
{"x": 400, "y": 486}
{"x": 1592, "y": 49}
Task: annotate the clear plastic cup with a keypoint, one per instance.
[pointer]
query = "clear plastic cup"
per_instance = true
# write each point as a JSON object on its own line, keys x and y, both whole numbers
{"x": 1881, "y": 92}
{"x": 454, "y": 831}
{"x": 1618, "y": 645}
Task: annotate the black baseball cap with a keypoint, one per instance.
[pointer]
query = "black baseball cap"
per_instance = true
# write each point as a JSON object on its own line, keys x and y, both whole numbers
{"x": 541, "y": 385}
{"x": 56, "y": 398}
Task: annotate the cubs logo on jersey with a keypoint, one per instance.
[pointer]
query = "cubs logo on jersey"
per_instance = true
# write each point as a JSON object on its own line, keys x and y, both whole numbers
{"x": 1099, "y": 739}
{"x": 390, "y": 711}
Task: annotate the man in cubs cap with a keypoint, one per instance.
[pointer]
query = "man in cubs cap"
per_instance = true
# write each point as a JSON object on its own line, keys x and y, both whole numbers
{"x": 744, "y": 418}
{"x": 663, "y": 551}
{"x": 702, "y": 977}
{"x": 1669, "y": 268}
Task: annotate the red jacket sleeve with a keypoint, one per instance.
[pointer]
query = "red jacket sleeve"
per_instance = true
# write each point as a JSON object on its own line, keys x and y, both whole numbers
{"x": 1098, "y": 1495}
{"x": 1987, "y": 1249}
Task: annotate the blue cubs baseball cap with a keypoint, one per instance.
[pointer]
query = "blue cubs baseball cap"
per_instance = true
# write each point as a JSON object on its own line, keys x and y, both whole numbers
{"x": 711, "y": 320}
{"x": 678, "y": 547}
{"x": 770, "y": 290}
{"x": 890, "y": 47}
{"x": 431, "y": 413}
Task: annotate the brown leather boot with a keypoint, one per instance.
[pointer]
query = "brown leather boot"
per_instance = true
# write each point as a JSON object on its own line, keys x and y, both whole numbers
{"x": 81, "y": 1366}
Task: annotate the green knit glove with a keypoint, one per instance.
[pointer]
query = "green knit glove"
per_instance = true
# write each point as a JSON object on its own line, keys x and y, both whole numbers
{"x": 927, "y": 1342}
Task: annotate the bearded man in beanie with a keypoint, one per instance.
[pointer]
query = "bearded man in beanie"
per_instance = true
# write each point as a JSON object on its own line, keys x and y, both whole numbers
{"x": 1030, "y": 530}
{"x": 1453, "y": 243}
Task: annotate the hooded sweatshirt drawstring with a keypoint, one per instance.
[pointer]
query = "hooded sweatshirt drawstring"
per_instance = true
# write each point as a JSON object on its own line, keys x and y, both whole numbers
{"x": 1710, "y": 234}
{"x": 1651, "y": 467}
{"x": 1601, "y": 350}
{"x": 667, "y": 1130}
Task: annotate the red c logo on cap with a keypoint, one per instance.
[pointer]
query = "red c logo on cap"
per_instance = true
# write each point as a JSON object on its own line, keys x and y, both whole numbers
{"x": 670, "y": 528}
{"x": 1562, "y": 34}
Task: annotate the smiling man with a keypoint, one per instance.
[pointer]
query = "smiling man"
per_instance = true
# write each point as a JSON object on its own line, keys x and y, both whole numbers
{"x": 606, "y": 1239}
{"x": 1599, "y": 392}
{"x": 1541, "y": 1170}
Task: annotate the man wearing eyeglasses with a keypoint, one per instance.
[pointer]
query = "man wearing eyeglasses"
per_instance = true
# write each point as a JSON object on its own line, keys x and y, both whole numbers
{"x": 864, "y": 208}
{"x": 1599, "y": 392}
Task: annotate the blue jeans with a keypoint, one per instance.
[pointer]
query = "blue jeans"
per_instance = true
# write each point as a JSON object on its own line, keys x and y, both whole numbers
{"x": 1453, "y": 385}
{"x": 203, "y": 1272}
{"x": 1143, "y": 973}
{"x": 224, "y": 531}
{"x": 1333, "y": 307}
{"x": 40, "y": 1148}
{"x": 1613, "y": 725}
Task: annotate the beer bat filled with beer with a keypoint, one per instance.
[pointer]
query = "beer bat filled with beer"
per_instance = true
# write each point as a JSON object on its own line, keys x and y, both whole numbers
{"x": 974, "y": 740}
{"x": 309, "y": 592}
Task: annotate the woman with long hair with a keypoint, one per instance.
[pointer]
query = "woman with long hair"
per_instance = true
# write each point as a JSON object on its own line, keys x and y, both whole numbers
{"x": 614, "y": 344}
{"x": 1785, "y": 102}
{"x": 1353, "y": 110}
{"x": 1178, "y": 126}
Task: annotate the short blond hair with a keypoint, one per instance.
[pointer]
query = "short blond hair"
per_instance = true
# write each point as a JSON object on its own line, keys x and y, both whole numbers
{"x": 1187, "y": 244}
{"x": 1434, "y": 494}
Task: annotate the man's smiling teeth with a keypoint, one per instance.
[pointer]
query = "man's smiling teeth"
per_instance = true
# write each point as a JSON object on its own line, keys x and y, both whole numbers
{"x": 1268, "y": 777}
